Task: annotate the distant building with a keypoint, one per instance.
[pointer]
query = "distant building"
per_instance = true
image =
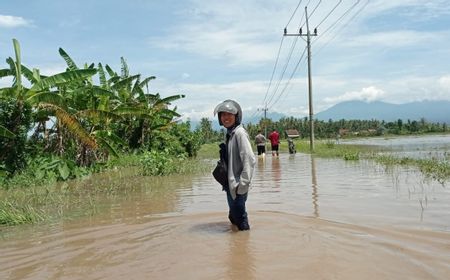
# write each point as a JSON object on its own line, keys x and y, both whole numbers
{"x": 292, "y": 133}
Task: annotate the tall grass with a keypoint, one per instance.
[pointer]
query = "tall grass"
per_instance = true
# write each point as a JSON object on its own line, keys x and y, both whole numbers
{"x": 25, "y": 199}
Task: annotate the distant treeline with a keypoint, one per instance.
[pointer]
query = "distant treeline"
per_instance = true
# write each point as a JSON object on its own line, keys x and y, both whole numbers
{"x": 330, "y": 128}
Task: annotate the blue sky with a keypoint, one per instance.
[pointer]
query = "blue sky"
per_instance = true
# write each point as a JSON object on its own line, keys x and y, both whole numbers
{"x": 395, "y": 51}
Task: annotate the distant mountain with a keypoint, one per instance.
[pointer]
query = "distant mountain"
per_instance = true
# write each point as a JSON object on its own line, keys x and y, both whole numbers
{"x": 274, "y": 116}
{"x": 431, "y": 111}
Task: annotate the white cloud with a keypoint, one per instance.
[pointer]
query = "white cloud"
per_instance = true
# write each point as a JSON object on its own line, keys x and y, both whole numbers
{"x": 370, "y": 93}
{"x": 202, "y": 98}
{"x": 444, "y": 83}
{"x": 13, "y": 21}
{"x": 185, "y": 76}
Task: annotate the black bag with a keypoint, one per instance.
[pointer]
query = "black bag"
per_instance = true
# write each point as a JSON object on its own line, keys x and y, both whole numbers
{"x": 220, "y": 173}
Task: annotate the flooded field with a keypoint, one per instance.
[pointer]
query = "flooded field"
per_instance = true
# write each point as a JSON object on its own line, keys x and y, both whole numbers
{"x": 311, "y": 218}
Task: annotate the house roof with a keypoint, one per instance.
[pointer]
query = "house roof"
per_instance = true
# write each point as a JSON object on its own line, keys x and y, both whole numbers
{"x": 292, "y": 133}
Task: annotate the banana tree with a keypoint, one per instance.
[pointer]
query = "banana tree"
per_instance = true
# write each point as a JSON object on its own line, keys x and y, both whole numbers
{"x": 144, "y": 112}
{"x": 44, "y": 94}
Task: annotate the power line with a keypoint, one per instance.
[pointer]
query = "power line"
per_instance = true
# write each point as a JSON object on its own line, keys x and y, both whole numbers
{"x": 273, "y": 72}
{"x": 308, "y": 45}
{"x": 345, "y": 24}
{"x": 284, "y": 71}
{"x": 339, "y": 19}
{"x": 289, "y": 80}
{"x": 315, "y": 8}
{"x": 294, "y": 13}
{"x": 332, "y": 10}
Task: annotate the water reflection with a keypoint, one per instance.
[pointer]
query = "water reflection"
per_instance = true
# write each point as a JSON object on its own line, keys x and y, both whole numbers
{"x": 276, "y": 172}
{"x": 315, "y": 196}
{"x": 240, "y": 263}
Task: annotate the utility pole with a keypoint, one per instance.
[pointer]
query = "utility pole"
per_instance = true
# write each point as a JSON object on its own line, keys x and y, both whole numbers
{"x": 265, "y": 120}
{"x": 308, "y": 45}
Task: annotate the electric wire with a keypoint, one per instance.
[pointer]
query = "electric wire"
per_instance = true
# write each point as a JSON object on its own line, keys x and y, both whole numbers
{"x": 332, "y": 26}
{"x": 332, "y": 10}
{"x": 290, "y": 78}
{"x": 274, "y": 97}
{"x": 315, "y": 8}
{"x": 344, "y": 25}
{"x": 299, "y": 2}
{"x": 273, "y": 71}
{"x": 284, "y": 70}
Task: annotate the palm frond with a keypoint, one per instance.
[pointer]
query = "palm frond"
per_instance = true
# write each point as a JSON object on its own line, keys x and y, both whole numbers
{"x": 5, "y": 73}
{"x": 98, "y": 114}
{"x": 125, "y": 83}
{"x": 28, "y": 74}
{"x": 70, "y": 63}
{"x": 169, "y": 99}
{"x": 50, "y": 97}
{"x": 131, "y": 111}
{"x": 112, "y": 137}
{"x": 72, "y": 124}
{"x": 111, "y": 73}
{"x": 17, "y": 65}
{"x": 62, "y": 78}
{"x": 169, "y": 113}
{"x": 107, "y": 146}
{"x": 102, "y": 76}
{"x": 125, "y": 72}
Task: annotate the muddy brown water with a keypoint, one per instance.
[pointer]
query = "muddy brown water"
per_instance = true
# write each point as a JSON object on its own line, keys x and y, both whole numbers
{"x": 311, "y": 218}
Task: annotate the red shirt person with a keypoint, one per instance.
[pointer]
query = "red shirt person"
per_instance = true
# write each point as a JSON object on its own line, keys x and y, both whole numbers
{"x": 274, "y": 138}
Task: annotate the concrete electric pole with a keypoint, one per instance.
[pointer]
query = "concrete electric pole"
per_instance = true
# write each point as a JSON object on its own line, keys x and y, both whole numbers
{"x": 308, "y": 45}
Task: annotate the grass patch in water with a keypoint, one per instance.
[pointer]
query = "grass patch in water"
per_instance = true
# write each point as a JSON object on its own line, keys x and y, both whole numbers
{"x": 15, "y": 214}
{"x": 438, "y": 170}
{"x": 328, "y": 148}
{"x": 25, "y": 200}
{"x": 432, "y": 168}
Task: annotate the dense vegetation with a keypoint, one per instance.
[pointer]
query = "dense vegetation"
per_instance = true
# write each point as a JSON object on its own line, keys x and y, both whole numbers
{"x": 67, "y": 124}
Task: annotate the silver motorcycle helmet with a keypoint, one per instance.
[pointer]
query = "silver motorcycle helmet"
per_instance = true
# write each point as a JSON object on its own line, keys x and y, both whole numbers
{"x": 229, "y": 106}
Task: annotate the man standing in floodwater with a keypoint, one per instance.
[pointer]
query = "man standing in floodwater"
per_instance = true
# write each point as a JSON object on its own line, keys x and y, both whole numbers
{"x": 260, "y": 142}
{"x": 274, "y": 138}
{"x": 240, "y": 161}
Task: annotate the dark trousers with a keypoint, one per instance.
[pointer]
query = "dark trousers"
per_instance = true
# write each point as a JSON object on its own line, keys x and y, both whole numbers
{"x": 237, "y": 212}
{"x": 261, "y": 149}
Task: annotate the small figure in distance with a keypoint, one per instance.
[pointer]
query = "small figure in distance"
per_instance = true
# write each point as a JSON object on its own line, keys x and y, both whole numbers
{"x": 260, "y": 142}
{"x": 274, "y": 138}
{"x": 291, "y": 146}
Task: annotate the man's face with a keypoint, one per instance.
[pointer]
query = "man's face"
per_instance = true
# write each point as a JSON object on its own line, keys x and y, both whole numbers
{"x": 227, "y": 119}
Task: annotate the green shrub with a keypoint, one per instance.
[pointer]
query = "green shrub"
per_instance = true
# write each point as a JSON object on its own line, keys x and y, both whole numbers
{"x": 156, "y": 163}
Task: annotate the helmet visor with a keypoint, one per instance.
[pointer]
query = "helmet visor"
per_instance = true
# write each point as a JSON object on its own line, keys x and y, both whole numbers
{"x": 226, "y": 107}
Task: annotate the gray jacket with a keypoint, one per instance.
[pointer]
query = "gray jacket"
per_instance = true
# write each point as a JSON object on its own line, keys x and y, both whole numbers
{"x": 241, "y": 161}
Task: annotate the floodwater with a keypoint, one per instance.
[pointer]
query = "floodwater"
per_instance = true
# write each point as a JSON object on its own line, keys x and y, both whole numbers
{"x": 311, "y": 218}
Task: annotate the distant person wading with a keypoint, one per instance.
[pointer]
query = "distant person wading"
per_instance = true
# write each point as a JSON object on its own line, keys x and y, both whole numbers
{"x": 260, "y": 142}
{"x": 274, "y": 138}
